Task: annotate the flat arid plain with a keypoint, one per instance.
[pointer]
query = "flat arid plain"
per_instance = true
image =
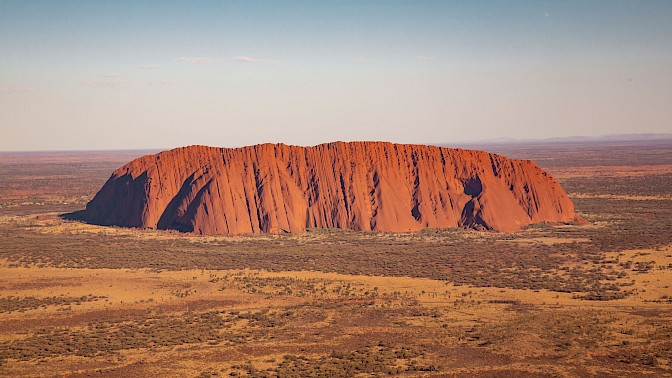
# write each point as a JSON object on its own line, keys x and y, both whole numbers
{"x": 551, "y": 300}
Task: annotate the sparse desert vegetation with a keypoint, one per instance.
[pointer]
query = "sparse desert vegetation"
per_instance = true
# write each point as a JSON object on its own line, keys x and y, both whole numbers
{"x": 550, "y": 300}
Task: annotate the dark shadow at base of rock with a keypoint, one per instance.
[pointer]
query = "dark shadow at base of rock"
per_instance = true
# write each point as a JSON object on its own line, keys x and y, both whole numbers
{"x": 79, "y": 215}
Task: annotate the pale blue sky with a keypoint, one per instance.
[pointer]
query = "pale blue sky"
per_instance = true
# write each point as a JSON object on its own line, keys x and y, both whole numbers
{"x": 160, "y": 74}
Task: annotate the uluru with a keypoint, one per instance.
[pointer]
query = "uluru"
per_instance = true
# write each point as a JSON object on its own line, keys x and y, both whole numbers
{"x": 378, "y": 186}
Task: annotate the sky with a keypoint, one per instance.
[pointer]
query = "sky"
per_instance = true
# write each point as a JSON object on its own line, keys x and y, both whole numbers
{"x": 86, "y": 75}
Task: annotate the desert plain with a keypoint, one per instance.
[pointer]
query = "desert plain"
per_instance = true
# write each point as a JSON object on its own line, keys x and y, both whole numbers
{"x": 560, "y": 300}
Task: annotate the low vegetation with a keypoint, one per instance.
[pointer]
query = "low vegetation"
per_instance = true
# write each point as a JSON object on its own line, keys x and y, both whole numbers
{"x": 558, "y": 300}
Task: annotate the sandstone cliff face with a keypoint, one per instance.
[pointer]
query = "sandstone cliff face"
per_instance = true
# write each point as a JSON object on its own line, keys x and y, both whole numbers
{"x": 360, "y": 186}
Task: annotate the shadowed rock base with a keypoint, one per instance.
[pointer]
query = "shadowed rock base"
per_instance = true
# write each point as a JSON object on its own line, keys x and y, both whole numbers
{"x": 377, "y": 186}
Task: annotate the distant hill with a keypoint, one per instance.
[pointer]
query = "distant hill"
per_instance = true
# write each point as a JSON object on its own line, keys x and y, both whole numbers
{"x": 635, "y": 137}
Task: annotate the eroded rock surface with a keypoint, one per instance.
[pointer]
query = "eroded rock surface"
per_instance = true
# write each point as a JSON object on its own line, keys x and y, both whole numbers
{"x": 360, "y": 186}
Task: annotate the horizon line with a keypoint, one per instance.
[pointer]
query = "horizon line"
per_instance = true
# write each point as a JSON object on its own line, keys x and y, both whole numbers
{"x": 623, "y": 137}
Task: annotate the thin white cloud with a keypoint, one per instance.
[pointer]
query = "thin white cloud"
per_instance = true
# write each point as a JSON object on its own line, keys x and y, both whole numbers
{"x": 112, "y": 74}
{"x": 149, "y": 66}
{"x": 249, "y": 59}
{"x": 195, "y": 59}
{"x": 107, "y": 84}
{"x": 425, "y": 57}
{"x": 13, "y": 89}
{"x": 163, "y": 83}
{"x": 115, "y": 83}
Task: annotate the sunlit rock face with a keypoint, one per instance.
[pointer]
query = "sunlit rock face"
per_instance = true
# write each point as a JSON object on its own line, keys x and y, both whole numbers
{"x": 275, "y": 188}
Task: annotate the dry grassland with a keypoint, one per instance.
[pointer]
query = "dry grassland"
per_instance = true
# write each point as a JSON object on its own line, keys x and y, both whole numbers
{"x": 551, "y": 300}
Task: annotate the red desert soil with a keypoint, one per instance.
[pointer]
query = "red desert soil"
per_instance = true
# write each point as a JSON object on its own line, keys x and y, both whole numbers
{"x": 376, "y": 186}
